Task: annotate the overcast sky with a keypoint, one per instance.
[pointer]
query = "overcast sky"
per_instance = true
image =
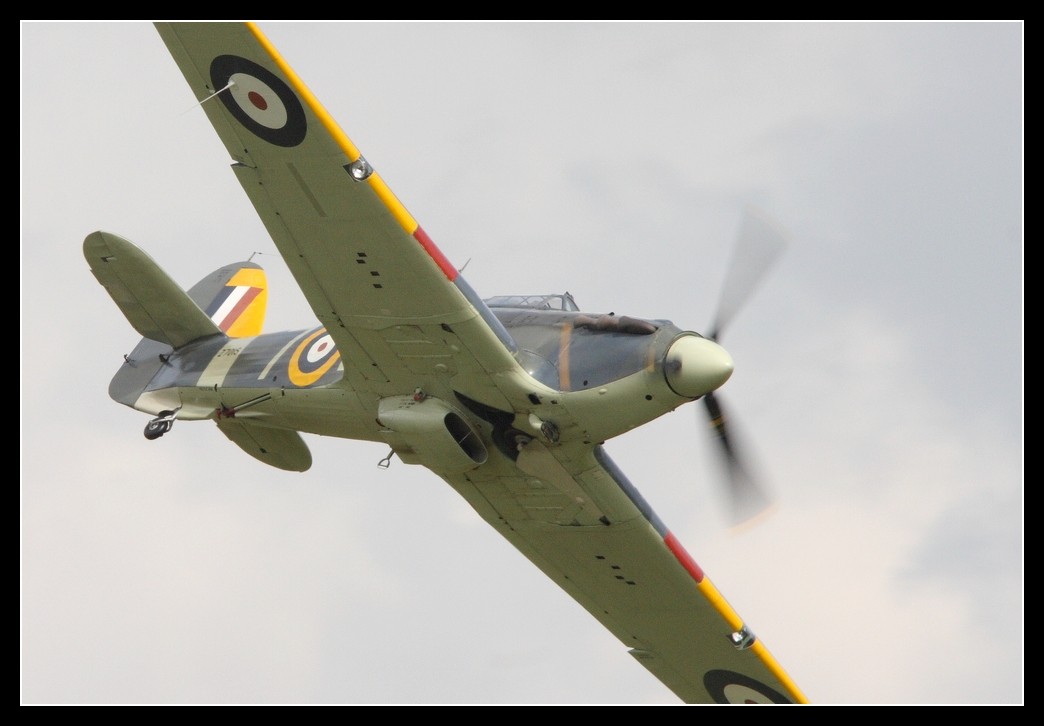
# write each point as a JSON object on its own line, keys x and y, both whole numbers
{"x": 879, "y": 377}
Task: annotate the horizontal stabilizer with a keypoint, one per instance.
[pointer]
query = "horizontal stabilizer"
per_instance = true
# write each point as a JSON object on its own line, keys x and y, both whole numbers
{"x": 281, "y": 448}
{"x": 152, "y": 302}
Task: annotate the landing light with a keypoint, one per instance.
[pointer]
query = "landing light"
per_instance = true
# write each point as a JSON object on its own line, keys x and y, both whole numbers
{"x": 360, "y": 169}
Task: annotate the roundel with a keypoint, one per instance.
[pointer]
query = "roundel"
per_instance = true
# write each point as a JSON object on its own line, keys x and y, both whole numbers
{"x": 259, "y": 100}
{"x": 732, "y": 687}
{"x": 313, "y": 357}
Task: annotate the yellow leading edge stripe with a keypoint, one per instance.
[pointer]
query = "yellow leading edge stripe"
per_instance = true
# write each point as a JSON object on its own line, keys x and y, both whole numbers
{"x": 351, "y": 150}
{"x": 709, "y": 591}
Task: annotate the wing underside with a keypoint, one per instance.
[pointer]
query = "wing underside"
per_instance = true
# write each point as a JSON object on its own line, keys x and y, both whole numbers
{"x": 615, "y": 557}
{"x": 394, "y": 305}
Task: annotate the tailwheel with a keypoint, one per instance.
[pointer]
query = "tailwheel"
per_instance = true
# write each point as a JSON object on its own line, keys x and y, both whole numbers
{"x": 159, "y": 425}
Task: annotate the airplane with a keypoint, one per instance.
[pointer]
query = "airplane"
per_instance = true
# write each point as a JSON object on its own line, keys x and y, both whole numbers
{"x": 508, "y": 399}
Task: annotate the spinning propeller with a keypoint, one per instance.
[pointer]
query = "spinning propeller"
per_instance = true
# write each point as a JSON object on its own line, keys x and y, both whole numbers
{"x": 758, "y": 246}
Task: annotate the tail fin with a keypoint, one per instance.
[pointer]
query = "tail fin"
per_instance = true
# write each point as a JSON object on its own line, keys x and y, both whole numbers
{"x": 231, "y": 300}
{"x": 234, "y": 298}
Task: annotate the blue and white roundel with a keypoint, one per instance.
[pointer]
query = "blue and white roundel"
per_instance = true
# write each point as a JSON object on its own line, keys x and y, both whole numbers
{"x": 259, "y": 100}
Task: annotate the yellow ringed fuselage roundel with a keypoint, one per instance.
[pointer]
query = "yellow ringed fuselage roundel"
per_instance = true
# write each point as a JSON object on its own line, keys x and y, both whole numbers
{"x": 313, "y": 358}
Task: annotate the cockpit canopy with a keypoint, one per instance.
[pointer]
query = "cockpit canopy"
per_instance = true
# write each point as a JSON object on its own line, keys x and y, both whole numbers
{"x": 570, "y": 350}
{"x": 535, "y": 302}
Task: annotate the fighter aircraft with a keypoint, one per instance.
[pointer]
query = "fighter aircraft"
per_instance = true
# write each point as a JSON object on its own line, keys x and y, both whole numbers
{"x": 509, "y": 399}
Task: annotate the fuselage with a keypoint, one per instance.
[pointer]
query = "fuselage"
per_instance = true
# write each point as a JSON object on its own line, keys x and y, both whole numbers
{"x": 607, "y": 375}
